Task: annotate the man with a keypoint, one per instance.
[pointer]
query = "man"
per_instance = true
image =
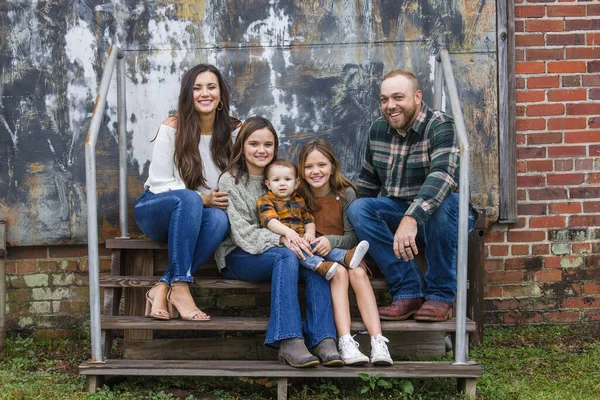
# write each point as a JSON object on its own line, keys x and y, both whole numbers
{"x": 412, "y": 162}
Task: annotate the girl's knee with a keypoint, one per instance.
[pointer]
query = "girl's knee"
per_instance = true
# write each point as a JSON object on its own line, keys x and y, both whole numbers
{"x": 357, "y": 274}
{"x": 340, "y": 276}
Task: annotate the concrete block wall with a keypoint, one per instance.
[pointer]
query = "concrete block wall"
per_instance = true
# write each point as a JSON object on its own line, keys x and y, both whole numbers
{"x": 546, "y": 267}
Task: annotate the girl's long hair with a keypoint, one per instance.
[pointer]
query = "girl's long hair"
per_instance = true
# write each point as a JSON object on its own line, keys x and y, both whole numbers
{"x": 187, "y": 155}
{"x": 237, "y": 162}
{"x": 338, "y": 182}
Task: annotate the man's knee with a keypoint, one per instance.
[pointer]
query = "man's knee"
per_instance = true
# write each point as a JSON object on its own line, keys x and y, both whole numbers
{"x": 447, "y": 212}
{"x": 358, "y": 208}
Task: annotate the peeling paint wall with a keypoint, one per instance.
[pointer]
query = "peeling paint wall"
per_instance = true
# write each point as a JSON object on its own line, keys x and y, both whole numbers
{"x": 312, "y": 67}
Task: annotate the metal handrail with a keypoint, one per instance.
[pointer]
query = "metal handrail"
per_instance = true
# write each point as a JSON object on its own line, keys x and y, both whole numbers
{"x": 115, "y": 55}
{"x": 444, "y": 65}
{"x": 443, "y": 69}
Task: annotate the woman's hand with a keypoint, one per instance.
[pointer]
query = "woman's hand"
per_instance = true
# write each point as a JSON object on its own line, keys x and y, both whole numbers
{"x": 292, "y": 236}
{"x": 323, "y": 246}
{"x": 297, "y": 248}
{"x": 216, "y": 199}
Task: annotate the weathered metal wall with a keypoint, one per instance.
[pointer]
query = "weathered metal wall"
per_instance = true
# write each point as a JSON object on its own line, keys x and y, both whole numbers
{"x": 312, "y": 67}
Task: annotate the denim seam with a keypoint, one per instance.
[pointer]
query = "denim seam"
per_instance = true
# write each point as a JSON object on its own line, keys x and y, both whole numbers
{"x": 407, "y": 296}
{"x": 279, "y": 338}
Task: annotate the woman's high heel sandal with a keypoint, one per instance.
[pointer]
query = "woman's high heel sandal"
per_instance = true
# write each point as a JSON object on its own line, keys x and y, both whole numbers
{"x": 190, "y": 316}
{"x": 155, "y": 312}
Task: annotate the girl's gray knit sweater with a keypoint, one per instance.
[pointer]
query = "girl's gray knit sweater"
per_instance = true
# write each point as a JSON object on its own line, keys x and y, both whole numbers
{"x": 245, "y": 231}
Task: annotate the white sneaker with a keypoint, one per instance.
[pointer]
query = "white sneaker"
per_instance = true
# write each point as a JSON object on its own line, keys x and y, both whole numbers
{"x": 380, "y": 354}
{"x": 349, "y": 351}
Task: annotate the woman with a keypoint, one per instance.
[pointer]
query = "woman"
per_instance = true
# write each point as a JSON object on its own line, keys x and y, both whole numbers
{"x": 182, "y": 204}
{"x": 255, "y": 254}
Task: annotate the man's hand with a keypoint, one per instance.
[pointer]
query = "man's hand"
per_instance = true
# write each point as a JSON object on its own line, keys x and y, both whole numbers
{"x": 405, "y": 246}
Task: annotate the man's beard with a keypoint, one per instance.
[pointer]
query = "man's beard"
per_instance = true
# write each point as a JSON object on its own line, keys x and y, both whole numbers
{"x": 402, "y": 125}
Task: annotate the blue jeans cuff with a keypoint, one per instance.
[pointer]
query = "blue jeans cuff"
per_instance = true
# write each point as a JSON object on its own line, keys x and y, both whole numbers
{"x": 406, "y": 296}
{"x": 274, "y": 343}
{"x": 187, "y": 279}
{"x": 443, "y": 300}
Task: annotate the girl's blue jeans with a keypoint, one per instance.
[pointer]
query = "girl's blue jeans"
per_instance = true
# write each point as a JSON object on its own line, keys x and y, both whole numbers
{"x": 279, "y": 265}
{"x": 192, "y": 231}
{"x": 376, "y": 220}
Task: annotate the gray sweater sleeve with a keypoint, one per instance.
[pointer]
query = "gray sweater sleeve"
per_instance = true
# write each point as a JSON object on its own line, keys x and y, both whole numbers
{"x": 245, "y": 230}
{"x": 349, "y": 239}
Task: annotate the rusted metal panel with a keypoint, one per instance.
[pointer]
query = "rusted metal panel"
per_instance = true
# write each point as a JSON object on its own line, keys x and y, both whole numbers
{"x": 312, "y": 67}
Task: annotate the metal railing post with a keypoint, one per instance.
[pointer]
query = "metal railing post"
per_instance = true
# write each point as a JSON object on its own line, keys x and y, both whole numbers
{"x": 2, "y": 284}
{"x": 460, "y": 353}
{"x": 122, "y": 128}
{"x": 92, "y": 203}
{"x": 438, "y": 83}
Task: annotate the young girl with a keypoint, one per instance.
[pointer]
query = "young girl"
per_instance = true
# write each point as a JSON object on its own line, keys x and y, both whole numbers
{"x": 326, "y": 192}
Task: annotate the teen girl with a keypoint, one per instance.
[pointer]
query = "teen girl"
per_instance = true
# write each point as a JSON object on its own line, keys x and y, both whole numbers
{"x": 328, "y": 195}
{"x": 254, "y": 254}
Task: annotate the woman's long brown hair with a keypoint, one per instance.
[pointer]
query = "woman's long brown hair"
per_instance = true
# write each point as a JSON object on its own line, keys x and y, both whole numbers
{"x": 187, "y": 155}
{"x": 338, "y": 182}
{"x": 237, "y": 162}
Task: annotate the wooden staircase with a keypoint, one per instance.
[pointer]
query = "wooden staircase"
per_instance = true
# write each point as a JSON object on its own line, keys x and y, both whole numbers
{"x": 136, "y": 267}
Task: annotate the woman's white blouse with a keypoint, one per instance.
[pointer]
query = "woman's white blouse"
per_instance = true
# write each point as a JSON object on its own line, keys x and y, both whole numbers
{"x": 163, "y": 176}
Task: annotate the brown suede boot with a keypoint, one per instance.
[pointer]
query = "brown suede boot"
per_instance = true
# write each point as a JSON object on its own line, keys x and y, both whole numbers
{"x": 327, "y": 269}
{"x": 354, "y": 256}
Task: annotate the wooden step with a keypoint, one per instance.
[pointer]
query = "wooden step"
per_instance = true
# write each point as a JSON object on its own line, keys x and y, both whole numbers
{"x": 260, "y": 324}
{"x": 139, "y": 244}
{"x": 274, "y": 369}
{"x": 117, "y": 281}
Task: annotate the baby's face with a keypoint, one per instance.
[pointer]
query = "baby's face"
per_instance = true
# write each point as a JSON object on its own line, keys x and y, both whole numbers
{"x": 282, "y": 181}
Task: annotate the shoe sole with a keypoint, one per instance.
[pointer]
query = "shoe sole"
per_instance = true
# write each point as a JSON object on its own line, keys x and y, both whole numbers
{"x": 357, "y": 362}
{"x": 334, "y": 363}
{"x": 309, "y": 364}
{"x": 426, "y": 318}
{"x": 331, "y": 271}
{"x": 401, "y": 318}
{"x": 383, "y": 362}
{"x": 359, "y": 254}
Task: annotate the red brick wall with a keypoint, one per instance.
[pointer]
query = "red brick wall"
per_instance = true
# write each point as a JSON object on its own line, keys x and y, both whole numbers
{"x": 546, "y": 268}
{"x": 47, "y": 286}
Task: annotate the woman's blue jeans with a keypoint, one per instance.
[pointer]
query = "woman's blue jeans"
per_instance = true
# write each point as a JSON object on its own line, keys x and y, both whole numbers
{"x": 192, "y": 231}
{"x": 376, "y": 220}
{"x": 279, "y": 265}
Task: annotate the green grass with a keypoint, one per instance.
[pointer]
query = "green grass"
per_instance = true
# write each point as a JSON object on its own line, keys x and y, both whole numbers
{"x": 527, "y": 363}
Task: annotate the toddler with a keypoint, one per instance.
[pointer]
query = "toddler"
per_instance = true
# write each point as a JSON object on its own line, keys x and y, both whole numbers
{"x": 284, "y": 212}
